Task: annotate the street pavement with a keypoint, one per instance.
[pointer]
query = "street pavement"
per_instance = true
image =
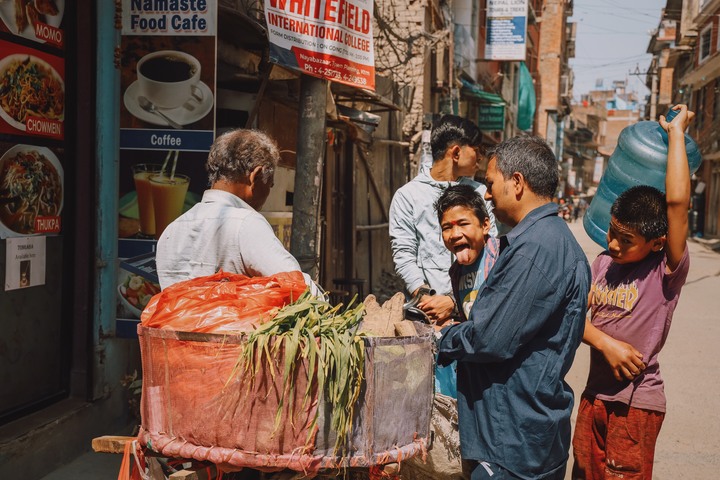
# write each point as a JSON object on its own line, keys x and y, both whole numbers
{"x": 689, "y": 443}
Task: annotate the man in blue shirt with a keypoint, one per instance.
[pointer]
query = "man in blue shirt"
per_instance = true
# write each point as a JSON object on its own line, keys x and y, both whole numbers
{"x": 524, "y": 328}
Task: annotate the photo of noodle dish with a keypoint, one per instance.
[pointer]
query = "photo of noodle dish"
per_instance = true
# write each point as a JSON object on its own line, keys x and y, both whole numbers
{"x": 29, "y": 86}
{"x": 31, "y": 185}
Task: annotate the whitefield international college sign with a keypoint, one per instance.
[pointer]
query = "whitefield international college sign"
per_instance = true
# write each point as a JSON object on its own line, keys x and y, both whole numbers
{"x": 330, "y": 39}
{"x": 506, "y": 29}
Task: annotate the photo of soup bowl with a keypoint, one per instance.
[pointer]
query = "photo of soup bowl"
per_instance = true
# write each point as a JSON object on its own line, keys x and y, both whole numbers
{"x": 168, "y": 78}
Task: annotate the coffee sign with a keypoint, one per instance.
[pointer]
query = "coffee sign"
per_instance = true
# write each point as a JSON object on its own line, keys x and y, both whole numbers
{"x": 168, "y": 75}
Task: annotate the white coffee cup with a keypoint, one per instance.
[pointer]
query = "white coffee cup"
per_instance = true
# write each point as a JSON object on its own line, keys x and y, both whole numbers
{"x": 168, "y": 78}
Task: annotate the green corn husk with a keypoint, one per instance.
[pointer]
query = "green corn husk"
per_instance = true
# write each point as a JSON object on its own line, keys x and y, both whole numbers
{"x": 312, "y": 329}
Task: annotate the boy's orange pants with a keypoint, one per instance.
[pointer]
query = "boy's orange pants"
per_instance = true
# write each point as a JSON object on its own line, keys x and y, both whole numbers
{"x": 613, "y": 440}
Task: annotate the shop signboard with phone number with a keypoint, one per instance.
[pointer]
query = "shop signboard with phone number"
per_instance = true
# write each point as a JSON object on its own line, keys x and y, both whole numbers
{"x": 331, "y": 40}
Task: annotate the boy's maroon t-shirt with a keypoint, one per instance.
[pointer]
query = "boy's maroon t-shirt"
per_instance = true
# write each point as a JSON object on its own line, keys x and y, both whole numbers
{"x": 634, "y": 303}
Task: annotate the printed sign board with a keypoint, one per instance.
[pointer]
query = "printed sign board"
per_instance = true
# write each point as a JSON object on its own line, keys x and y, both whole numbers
{"x": 506, "y": 30}
{"x": 39, "y": 21}
{"x": 32, "y": 190}
{"x": 24, "y": 262}
{"x": 331, "y": 39}
{"x": 491, "y": 117}
{"x": 167, "y": 75}
{"x": 32, "y": 92}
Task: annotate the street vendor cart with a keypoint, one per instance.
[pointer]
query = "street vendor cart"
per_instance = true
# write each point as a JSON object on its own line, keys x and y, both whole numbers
{"x": 306, "y": 391}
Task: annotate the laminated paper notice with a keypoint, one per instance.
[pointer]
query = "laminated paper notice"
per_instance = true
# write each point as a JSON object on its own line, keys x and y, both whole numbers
{"x": 24, "y": 262}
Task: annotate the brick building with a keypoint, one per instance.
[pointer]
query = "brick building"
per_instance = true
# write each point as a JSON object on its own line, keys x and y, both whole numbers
{"x": 593, "y": 130}
{"x": 691, "y": 65}
{"x": 554, "y": 76}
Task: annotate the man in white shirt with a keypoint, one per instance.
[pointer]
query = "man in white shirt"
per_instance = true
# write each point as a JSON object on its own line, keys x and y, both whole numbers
{"x": 225, "y": 231}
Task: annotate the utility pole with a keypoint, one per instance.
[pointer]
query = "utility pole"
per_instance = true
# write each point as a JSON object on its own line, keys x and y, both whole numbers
{"x": 653, "y": 96}
{"x": 308, "y": 173}
{"x": 652, "y": 72}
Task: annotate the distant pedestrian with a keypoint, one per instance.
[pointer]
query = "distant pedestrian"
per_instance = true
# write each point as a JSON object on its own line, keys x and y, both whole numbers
{"x": 576, "y": 212}
{"x": 636, "y": 285}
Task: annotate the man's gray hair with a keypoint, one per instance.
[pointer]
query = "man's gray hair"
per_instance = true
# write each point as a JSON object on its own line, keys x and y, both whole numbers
{"x": 235, "y": 154}
{"x": 533, "y": 158}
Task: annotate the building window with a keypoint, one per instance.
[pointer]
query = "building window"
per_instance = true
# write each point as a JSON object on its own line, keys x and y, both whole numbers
{"x": 704, "y": 44}
{"x": 716, "y": 96}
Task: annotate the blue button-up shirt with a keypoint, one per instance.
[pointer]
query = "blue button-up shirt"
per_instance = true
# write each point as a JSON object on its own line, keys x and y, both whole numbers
{"x": 520, "y": 341}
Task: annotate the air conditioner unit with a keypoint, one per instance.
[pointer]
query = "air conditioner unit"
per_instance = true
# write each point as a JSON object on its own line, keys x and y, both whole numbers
{"x": 565, "y": 86}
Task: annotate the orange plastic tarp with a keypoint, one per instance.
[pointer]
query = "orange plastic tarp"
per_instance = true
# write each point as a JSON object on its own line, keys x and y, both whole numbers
{"x": 224, "y": 302}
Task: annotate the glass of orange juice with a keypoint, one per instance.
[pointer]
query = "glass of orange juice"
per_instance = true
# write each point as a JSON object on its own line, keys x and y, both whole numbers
{"x": 168, "y": 195}
{"x": 141, "y": 176}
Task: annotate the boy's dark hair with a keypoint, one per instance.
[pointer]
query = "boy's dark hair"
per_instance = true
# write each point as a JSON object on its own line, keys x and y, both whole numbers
{"x": 644, "y": 209}
{"x": 461, "y": 196}
{"x": 452, "y": 130}
{"x": 533, "y": 158}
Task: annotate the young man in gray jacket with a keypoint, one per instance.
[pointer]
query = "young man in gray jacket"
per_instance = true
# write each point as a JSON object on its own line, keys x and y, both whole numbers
{"x": 419, "y": 254}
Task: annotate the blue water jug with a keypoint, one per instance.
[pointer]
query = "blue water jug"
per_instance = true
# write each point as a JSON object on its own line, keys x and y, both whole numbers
{"x": 639, "y": 159}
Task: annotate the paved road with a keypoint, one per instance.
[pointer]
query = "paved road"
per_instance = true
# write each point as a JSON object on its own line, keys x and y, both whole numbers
{"x": 689, "y": 443}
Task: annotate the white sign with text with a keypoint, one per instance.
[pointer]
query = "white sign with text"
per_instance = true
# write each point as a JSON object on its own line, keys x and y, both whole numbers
{"x": 506, "y": 30}
{"x": 24, "y": 262}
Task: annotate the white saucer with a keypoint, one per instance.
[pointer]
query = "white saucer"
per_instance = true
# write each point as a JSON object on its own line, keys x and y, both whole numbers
{"x": 182, "y": 114}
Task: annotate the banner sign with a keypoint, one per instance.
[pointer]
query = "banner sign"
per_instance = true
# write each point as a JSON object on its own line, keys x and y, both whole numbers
{"x": 491, "y": 117}
{"x": 330, "y": 39}
{"x": 506, "y": 30}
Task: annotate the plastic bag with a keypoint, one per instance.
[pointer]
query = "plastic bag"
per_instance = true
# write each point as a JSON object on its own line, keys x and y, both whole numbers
{"x": 443, "y": 460}
{"x": 224, "y": 302}
{"x": 446, "y": 380}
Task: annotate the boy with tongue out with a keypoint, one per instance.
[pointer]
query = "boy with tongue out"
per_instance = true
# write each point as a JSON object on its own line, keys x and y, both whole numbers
{"x": 465, "y": 226}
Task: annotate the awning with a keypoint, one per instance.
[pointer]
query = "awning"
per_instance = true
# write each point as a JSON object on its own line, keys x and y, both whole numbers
{"x": 526, "y": 99}
{"x": 474, "y": 91}
{"x": 365, "y": 120}
{"x": 354, "y": 95}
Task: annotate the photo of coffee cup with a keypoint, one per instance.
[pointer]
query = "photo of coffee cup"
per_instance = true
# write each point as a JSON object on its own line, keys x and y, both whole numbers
{"x": 168, "y": 78}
